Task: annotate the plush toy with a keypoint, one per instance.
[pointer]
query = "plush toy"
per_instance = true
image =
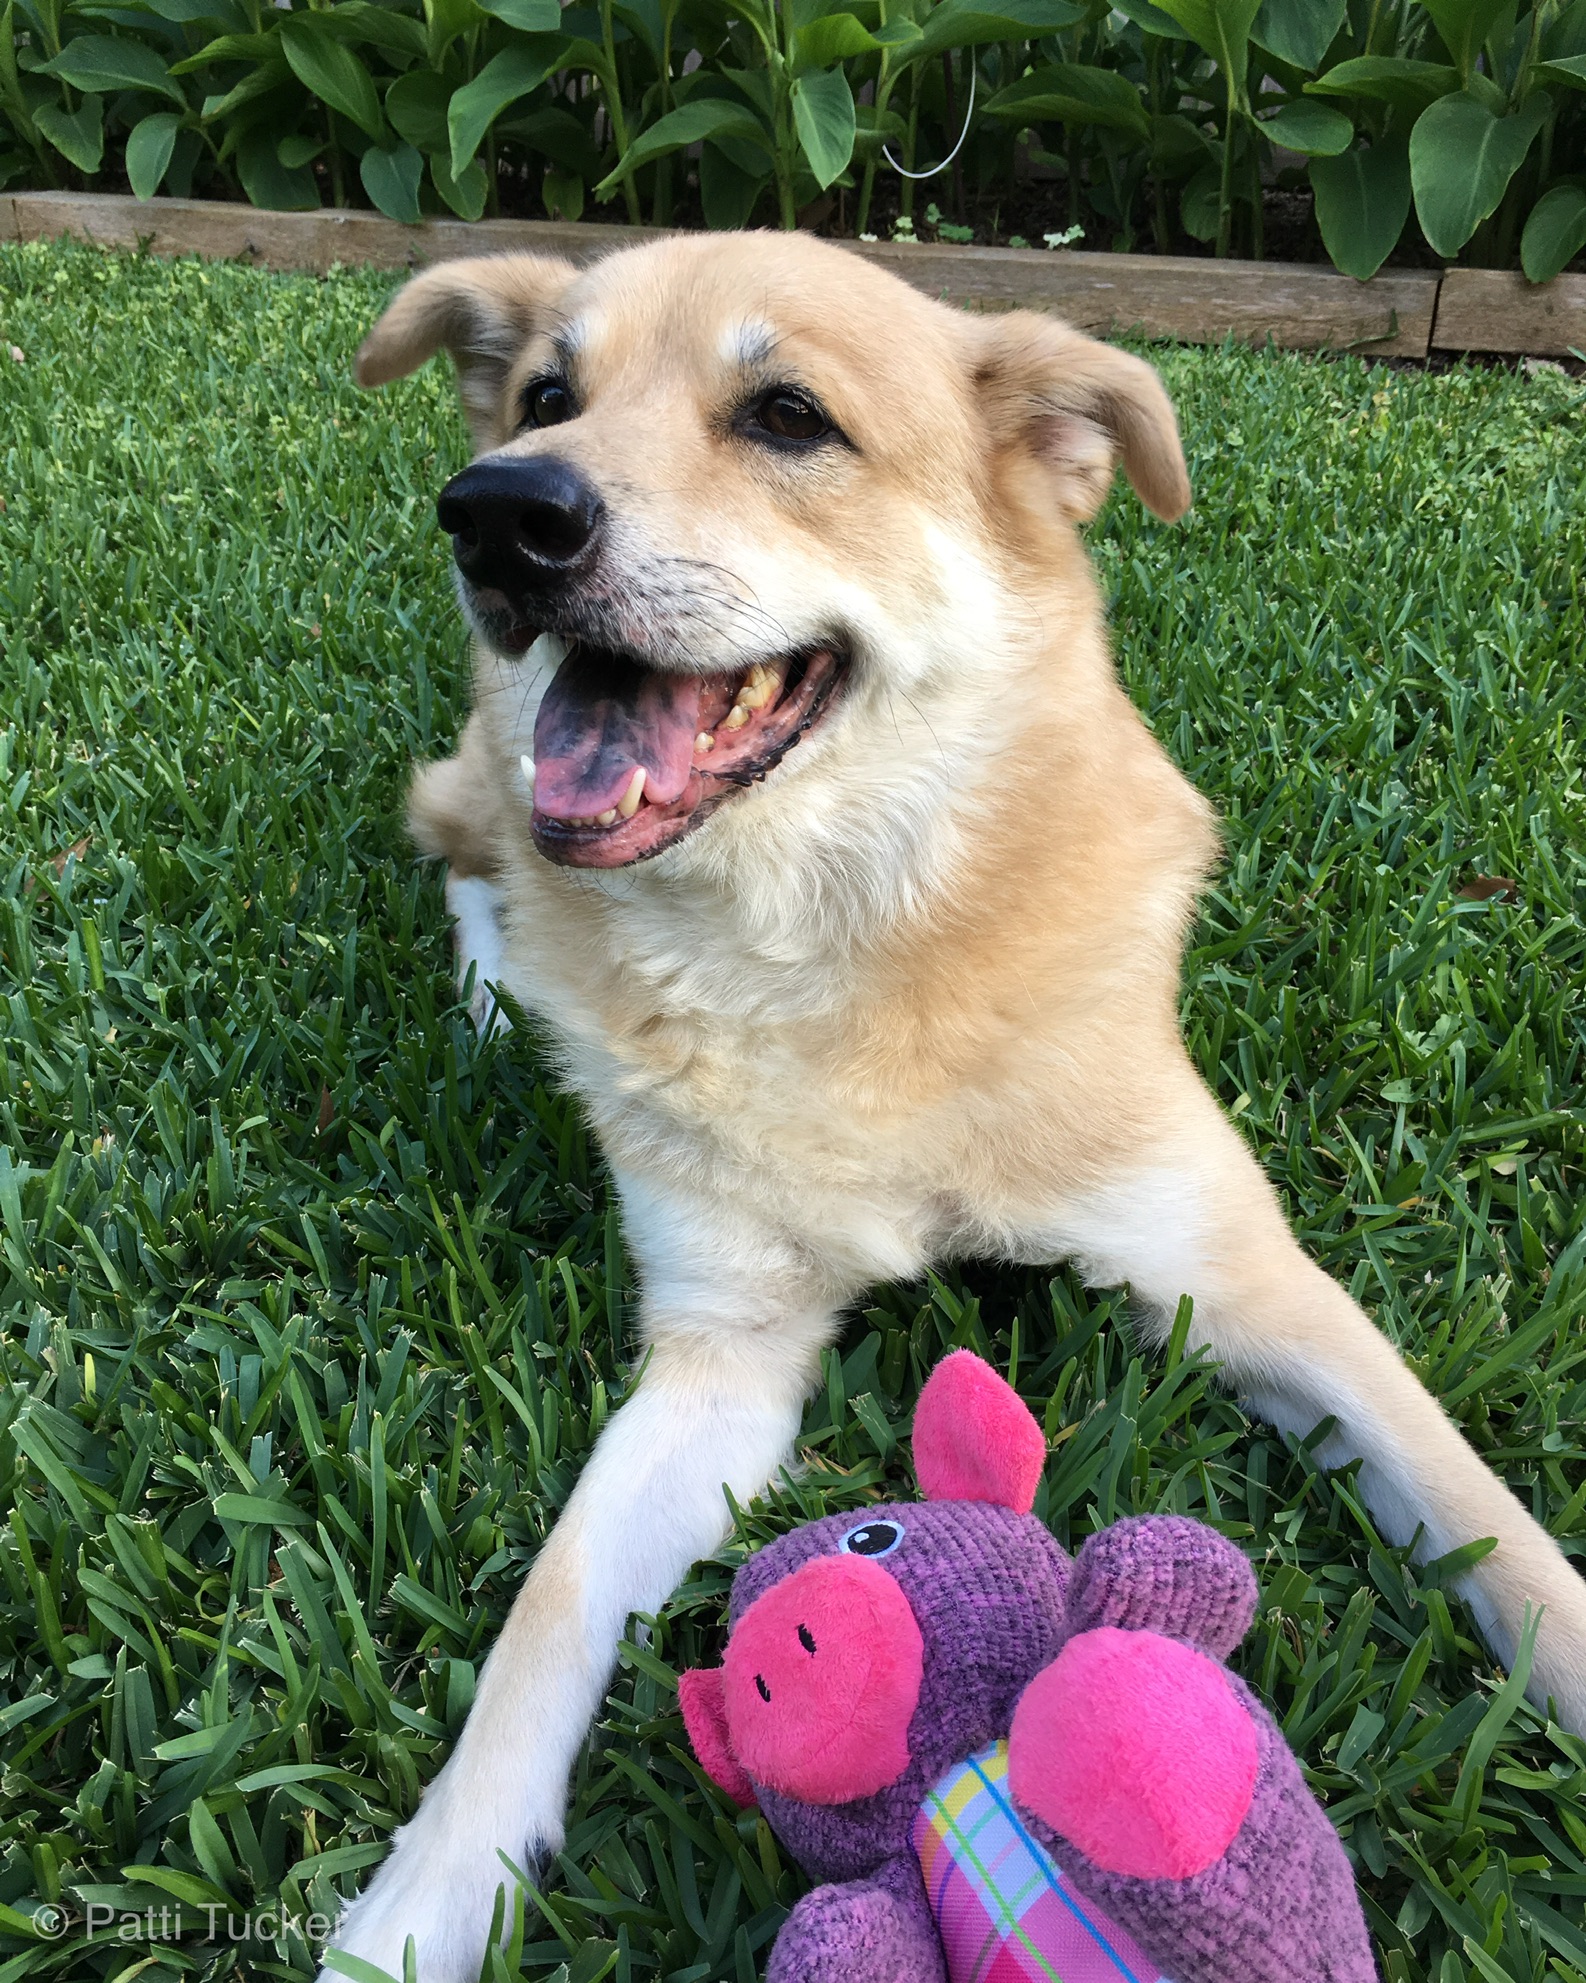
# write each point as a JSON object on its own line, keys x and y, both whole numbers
{"x": 1006, "y": 1765}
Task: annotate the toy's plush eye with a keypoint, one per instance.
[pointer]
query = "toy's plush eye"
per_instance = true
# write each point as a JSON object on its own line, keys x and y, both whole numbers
{"x": 873, "y": 1539}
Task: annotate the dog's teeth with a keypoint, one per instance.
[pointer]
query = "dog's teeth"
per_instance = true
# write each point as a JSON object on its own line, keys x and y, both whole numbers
{"x": 760, "y": 686}
{"x": 735, "y": 718}
{"x": 526, "y": 766}
{"x": 606, "y": 818}
{"x": 628, "y": 804}
{"x": 549, "y": 651}
{"x": 704, "y": 741}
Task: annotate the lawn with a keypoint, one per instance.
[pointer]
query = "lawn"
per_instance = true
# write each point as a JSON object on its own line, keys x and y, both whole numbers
{"x": 310, "y": 1303}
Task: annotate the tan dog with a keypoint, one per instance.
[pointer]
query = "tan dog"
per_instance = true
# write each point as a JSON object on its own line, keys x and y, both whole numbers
{"x": 761, "y": 524}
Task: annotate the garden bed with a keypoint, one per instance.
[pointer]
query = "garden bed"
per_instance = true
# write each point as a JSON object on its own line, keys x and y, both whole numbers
{"x": 1400, "y": 313}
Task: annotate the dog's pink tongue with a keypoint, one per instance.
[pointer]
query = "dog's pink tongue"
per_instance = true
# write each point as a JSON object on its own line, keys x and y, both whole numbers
{"x": 601, "y": 718}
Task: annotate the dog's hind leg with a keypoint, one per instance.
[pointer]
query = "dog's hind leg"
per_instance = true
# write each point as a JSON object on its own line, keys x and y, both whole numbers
{"x": 1194, "y": 1214}
{"x": 735, "y": 1346}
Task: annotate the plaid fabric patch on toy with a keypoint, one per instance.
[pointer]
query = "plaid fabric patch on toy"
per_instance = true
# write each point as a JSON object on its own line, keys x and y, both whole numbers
{"x": 1004, "y": 1909}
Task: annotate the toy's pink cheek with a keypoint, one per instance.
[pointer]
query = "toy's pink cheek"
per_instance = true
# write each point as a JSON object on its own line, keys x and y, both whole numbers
{"x": 821, "y": 1679}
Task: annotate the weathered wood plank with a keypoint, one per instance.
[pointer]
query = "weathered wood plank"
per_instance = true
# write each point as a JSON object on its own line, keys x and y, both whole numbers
{"x": 9, "y": 230}
{"x": 1201, "y": 301}
{"x": 1498, "y": 310}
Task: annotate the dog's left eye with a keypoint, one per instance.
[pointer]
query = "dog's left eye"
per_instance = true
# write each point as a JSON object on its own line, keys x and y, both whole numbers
{"x": 547, "y": 403}
{"x": 788, "y": 415}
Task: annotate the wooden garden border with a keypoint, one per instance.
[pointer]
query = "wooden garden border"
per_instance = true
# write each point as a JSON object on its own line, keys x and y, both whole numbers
{"x": 1406, "y": 313}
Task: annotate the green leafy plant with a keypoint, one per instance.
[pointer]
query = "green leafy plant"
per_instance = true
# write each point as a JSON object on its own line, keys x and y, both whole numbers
{"x": 1437, "y": 128}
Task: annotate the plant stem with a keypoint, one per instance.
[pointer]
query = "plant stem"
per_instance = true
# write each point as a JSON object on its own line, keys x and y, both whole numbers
{"x": 661, "y": 204}
{"x": 1160, "y": 226}
{"x": 1225, "y": 200}
{"x": 612, "y": 91}
{"x": 338, "y": 176}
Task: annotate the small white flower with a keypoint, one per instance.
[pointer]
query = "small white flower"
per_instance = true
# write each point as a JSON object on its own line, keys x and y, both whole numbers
{"x": 18, "y": 355}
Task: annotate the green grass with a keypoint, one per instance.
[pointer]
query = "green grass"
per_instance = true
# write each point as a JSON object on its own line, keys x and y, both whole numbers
{"x": 310, "y": 1304}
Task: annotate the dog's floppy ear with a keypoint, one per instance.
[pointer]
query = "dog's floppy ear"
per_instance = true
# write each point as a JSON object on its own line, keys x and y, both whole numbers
{"x": 1078, "y": 406}
{"x": 479, "y": 310}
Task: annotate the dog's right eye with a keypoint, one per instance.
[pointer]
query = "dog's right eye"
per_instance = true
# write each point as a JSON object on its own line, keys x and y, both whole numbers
{"x": 547, "y": 403}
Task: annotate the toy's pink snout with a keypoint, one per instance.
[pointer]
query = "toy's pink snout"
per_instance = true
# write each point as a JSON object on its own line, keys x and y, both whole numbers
{"x": 821, "y": 1679}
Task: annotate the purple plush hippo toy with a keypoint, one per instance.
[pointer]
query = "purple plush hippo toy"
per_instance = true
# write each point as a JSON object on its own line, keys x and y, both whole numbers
{"x": 1005, "y": 1765}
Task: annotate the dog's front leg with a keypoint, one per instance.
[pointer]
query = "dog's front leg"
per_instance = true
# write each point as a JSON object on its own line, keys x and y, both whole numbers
{"x": 718, "y": 1405}
{"x": 1193, "y": 1214}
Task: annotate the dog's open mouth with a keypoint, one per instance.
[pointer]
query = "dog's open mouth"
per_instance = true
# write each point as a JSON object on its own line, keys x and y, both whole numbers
{"x": 628, "y": 759}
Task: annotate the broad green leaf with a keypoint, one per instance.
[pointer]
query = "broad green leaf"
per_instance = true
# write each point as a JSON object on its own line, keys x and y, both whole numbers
{"x": 972, "y": 23}
{"x": 332, "y": 71}
{"x": 149, "y": 147}
{"x": 1299, "y": 32}
{"x": 833, "y": 38}
{"x": 103, "y": 62}
{"x": 1362, "y": 203}
{"x": 823, "y": 112}
{"x": 874, "y": 128}
{"x": 445, "y": 21}
{"x": 1570, "y": 70}
{"x": 1555, "y": 232}
{"x": 562, "y": 194}
{"x": 416, "y": 105}
{"x": 1072, "y": 93}
{"x": 391, "y": 179}
{"x": 896, "y": 34}
{"x": 268, "y": 77}
{"x": 464, "y": 192}
{"x": 232, "y": 48}
{"x": 1316, "y": 129}
{"x": 704, "y": 117}
{"x": 1464, "y": 26}
{"x": 362, "y": 20}
{"x": 76, "y": 134}
{"x": 223, "y": 11}
{"x": 527, "y": 16}
{"x": 269, "y": 183}
{"x": 1152, "y": 19}
{"x": 726, "y": 191}
{"x": 556, "y": 134}
{"x": 1408, "y": 85}
{"x": 299, "y": 148}
{"x": 1221, "y": 27}
{"x": 504, "y": 78}
{"x": 1462, "y": 158}
{"x": 1200, "y": 204}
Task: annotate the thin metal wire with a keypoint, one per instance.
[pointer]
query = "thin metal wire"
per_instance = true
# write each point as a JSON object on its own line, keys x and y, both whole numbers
{"x": 963, "y": 134}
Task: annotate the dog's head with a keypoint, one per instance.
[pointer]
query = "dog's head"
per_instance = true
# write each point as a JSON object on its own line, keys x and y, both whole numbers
{"x": 746, "y": 492}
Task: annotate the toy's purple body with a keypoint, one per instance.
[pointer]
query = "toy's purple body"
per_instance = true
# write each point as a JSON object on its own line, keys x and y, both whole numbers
{"x": 1151, "y": 1774}
{"x": 996, "y": 1599}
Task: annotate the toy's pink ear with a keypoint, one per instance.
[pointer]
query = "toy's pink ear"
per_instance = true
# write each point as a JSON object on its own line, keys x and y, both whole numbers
{"x": 974, "y": 1439}
{"x": 699, "y": 1695}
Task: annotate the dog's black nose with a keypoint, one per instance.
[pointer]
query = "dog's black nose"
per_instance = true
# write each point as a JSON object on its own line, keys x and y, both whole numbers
{"x": 520, "y": 525}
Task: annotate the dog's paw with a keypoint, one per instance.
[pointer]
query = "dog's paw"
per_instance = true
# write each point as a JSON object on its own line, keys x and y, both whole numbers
{"x": 442, "y": 1892}
{"x": 475, "y": 907}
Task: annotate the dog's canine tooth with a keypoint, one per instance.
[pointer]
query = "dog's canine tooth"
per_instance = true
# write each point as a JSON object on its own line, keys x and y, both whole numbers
{"x": 760, "y": 686}
{"x": 735, "y": 718}
{"x": 628, "y": 804}
{"x": 526, "y": 766}
{"x": 704, "y": 741}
